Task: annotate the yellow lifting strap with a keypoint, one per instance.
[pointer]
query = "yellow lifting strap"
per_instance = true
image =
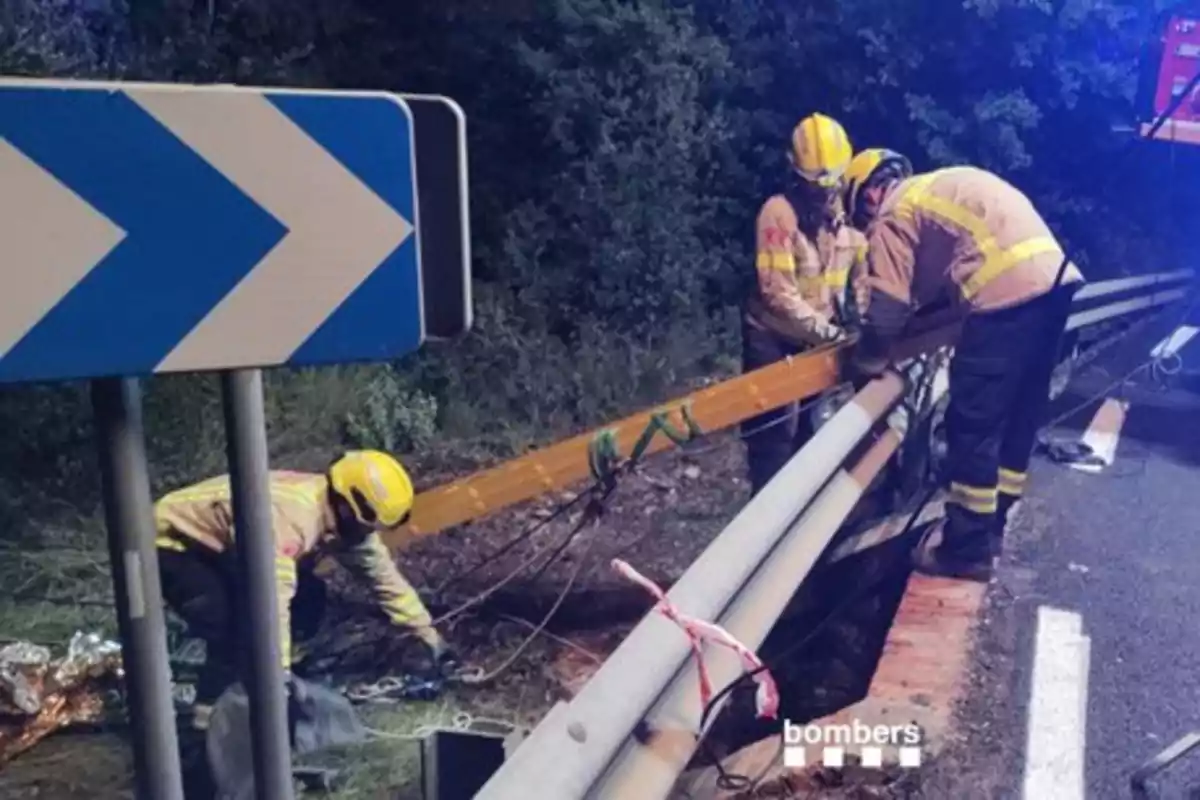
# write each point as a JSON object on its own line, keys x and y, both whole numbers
{"x": 604, "y": 452}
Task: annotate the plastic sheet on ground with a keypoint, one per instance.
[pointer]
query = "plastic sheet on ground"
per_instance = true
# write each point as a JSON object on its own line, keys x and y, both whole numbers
{"x": 322, "y": 718}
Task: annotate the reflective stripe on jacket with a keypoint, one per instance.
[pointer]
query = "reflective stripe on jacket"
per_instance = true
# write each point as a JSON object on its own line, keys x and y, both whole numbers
{"x": 965, "y": 234}
{"x": 801, "y": 276}
{"x": 304, "y": 530}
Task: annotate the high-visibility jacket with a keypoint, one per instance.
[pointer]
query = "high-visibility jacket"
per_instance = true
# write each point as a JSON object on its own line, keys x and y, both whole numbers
{"x": 802, "y": 275}
{"x": 965, "y": 235}
{"x": 304, "y": 529}
{"x": 959, "y": 236}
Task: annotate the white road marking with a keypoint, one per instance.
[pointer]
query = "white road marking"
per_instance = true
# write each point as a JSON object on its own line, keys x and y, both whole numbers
{"x": 1104, "y": 434}
{"x": 1057, "y": 729}
{"x": 1175, "y": 342}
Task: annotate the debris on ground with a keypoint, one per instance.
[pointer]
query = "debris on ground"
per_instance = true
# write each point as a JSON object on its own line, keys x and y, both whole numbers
{"x": 40, "y": 695}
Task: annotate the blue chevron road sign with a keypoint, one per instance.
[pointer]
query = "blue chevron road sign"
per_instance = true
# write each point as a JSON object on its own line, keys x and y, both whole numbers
{"x": 151, "y": 228}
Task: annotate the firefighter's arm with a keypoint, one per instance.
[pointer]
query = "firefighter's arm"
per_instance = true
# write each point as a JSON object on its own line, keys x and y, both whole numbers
{"x": 775, "y": 264}
{"x": 372, "y": 562}
{"x": 858, "y": 276}
{"x": 888, "y": 277}
{"x": 285, "y": 583}
{"x": 855, "y": 292}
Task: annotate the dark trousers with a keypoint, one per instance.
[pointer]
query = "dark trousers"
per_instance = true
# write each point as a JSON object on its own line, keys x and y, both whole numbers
{"x": 199, "y": 586}
{"x": 772, "y": 437}
{"x": 999, "y": 391}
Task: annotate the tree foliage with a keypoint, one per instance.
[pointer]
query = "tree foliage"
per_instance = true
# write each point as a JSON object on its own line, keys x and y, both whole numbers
{"x": 619, "y": 151}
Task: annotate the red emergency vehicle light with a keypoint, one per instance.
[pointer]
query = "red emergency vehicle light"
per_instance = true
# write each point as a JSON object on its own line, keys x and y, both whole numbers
{"x": 1179, "y": 63}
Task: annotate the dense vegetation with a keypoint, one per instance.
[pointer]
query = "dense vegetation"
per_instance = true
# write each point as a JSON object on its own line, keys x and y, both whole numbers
{"x": 619, "y": 151}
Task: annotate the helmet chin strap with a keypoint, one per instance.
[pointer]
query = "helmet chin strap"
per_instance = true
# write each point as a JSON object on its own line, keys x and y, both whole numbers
{"x": 812, "y": 202}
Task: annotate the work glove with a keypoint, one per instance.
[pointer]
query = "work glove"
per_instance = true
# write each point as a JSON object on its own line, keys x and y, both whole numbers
{"x": 446, "y": 662}
{"x": 866, "y": 361}
{"x": 827, "y": 331}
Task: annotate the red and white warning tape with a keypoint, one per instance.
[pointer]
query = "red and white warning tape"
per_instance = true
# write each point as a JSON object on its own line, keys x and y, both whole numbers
{"x": 766, "y": 695}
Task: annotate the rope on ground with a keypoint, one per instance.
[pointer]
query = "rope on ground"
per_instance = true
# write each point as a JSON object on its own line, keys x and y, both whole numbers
{"x": 516, "y": 540}
{"x": 565, "y": 642}
{"x": 462, "y": 721}
{"x": 594, "y": 510}
{"x": 496, "y": 672}
{"x": 479, "y": 677}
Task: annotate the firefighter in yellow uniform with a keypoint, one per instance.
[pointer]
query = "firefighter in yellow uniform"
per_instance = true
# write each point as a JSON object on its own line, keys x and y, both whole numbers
{"x": 338, "y": 513}
{"x": 965, "y": 237}
{"x": 805, "y": 253}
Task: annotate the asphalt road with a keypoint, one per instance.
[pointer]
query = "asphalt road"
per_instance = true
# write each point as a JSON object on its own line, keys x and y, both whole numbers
{"x": 1088, "y": 658}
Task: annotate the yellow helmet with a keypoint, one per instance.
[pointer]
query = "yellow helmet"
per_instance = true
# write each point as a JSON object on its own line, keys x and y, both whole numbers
{"x": 821, "y": 150}
{"x": 865, "y": 166}
{"x": 375, "y": 485}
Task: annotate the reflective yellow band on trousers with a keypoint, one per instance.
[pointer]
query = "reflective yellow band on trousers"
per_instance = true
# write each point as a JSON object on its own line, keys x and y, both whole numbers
{"x": 978, "y": 499}
{"x": 996, "y": 261}
{"x": 1012, "y": 482}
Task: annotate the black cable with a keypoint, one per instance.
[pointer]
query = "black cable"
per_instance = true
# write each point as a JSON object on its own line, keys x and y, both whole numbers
{"x": 518, "y": 539}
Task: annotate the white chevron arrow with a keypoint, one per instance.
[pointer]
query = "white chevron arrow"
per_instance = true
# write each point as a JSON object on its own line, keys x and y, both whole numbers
{"x": 52, "y": 236}
{"x": 339, "y": 230}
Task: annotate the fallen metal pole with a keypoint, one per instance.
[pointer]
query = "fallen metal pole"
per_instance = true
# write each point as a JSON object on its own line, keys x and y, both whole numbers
{"x": 246, "y": 432}
{"x": 129, "y": 516}
{"x": 573, "y": 746}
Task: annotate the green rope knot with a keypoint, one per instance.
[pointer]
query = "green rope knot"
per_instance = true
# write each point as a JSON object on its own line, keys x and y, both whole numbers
{"x": 604, "y": 455}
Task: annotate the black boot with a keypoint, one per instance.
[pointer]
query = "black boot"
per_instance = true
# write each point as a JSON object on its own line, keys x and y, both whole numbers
{"x": 953, "y": 556}
{"x": 1003, "y": 507}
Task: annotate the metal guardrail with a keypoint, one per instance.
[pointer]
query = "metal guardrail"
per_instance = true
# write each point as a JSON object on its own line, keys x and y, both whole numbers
{"x": 1117, "y": 285}
{"x": 1119, "y": 309}
{"x": 587, "y": 748}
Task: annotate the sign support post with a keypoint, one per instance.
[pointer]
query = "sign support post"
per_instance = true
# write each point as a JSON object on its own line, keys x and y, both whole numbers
{"x": 246, "y": 436}
{"x": 129, "y": 517}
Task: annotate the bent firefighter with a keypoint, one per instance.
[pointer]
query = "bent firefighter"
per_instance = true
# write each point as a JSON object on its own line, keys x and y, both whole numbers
{"x": 805, "y": 254}
{"x": 339, "y": 513}
{"x": 966, "y": 237}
